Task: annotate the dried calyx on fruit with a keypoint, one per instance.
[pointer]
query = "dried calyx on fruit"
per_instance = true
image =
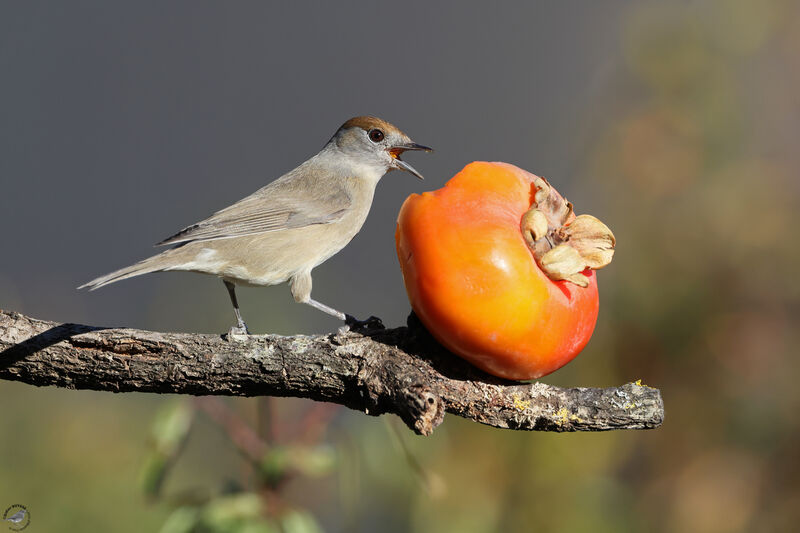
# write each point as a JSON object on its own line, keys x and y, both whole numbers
{"x": 564, "y": 245}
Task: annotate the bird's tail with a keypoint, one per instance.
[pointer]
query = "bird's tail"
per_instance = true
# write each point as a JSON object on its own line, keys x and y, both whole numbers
{"x": 151, "y": 264}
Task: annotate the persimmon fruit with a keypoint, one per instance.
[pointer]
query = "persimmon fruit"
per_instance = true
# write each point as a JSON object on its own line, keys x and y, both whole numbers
{"x": 499, "y": 269}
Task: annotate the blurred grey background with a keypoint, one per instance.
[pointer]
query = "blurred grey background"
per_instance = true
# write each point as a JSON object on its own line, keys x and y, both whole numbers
{"x": 675, "y": 122}
{"x": 125, "y": 122}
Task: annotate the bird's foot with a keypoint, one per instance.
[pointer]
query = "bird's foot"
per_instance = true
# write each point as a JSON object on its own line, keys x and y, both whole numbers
{"x": 351, "y": 323}
{"x": 238, "y": 333}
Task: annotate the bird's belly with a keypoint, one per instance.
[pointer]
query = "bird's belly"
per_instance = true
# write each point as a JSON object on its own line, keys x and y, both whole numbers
{"x": 267, "y": 258}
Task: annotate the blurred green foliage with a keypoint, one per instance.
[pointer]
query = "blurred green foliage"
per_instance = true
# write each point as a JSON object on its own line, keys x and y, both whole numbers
{"x": 170, "y": 430}
{"x": 693, "y": 165}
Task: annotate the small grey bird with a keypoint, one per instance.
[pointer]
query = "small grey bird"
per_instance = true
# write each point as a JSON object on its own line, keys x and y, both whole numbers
{"x": 17, "y": 517}
{"x": 285, "y": 229}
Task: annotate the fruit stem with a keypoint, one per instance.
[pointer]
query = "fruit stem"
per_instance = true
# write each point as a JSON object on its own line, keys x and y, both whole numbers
{"x": 564, "y": 245}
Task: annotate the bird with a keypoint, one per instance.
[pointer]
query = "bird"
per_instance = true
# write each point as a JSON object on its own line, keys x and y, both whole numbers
{"x": 284, "y": 230}
{"x": 17, "y": 517}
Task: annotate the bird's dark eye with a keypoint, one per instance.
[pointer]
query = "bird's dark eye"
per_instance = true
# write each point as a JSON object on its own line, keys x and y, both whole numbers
{"x": 375, "y": 136}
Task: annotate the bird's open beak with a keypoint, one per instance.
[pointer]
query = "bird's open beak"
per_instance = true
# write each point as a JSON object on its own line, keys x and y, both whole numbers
{"x": 395, "y": 151}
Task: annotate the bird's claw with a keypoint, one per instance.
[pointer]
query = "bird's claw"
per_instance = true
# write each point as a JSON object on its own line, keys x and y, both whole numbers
{"x": 351, "y": 323}
{"x": 238, "y": 333}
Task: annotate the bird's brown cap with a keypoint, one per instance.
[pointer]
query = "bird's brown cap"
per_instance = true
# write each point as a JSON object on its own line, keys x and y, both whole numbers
{"x": 368, "y": 123}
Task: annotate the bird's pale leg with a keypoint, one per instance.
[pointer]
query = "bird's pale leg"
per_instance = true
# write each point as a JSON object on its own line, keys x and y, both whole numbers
{"x": 240, "y": 328}
{"x": 325, "y": 309}
{"x": 300, "y": 285}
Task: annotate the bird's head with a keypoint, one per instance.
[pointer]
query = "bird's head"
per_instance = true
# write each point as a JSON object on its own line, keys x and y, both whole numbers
{"x": 376, "y": 142}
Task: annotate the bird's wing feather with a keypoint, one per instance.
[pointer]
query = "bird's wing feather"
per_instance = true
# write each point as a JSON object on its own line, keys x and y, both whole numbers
{"x": 275, "y": 207}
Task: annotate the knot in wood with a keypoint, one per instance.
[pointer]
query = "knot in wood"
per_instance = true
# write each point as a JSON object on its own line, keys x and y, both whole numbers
{"x": 424, "y": 409}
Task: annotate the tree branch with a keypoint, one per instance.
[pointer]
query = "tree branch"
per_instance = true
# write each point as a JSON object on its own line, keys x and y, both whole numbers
{"x": 375, "y": 370}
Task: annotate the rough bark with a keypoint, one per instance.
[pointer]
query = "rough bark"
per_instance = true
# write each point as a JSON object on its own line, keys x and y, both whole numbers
{"x": 373, "y": 370}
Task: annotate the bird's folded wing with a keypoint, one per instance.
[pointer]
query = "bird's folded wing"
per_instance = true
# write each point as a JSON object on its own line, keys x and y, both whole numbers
{"x": 263, "y": 212}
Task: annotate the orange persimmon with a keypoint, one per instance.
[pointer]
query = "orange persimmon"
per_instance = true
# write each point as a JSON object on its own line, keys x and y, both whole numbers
{"x": 474, "y": 278}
